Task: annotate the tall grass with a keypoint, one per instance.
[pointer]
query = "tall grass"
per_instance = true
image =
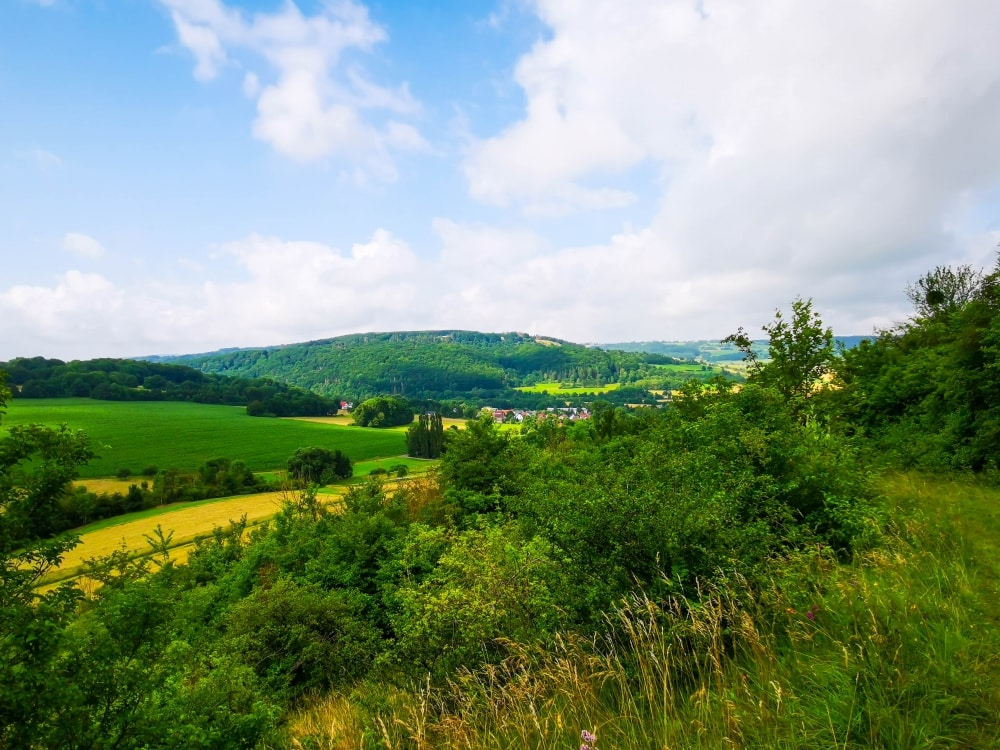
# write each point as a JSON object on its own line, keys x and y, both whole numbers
{"x": 899, "y": 649}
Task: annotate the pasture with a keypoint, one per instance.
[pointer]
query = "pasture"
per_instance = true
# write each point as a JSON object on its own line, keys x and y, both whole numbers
{"x": 346, "y": 420}
{"x": 182, "y": 436}
{"x": 558, "y": 389}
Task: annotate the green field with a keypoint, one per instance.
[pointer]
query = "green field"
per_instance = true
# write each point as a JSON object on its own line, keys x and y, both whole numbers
{"x": 557, "y": 389}
{"x": 684, "y": 368}
{"x": 182, "y": 436}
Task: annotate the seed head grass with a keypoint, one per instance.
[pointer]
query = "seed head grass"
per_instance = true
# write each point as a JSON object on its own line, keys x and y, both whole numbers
{"x": 897, "y": 649}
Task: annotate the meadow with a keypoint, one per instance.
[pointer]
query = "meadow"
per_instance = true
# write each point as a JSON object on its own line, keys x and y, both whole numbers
{"x": 182, "y": 436}
{"x": 558, "y": 389}
{"x": 897, "y": 649}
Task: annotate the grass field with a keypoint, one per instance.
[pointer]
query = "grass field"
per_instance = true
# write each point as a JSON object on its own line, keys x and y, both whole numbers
{"x": 346, "y": 420}
{"x": 684, "y": 368}
{"x": 557, "y": 389}
{"x": 187, "y": 522}
{"x": 174, "y": 435}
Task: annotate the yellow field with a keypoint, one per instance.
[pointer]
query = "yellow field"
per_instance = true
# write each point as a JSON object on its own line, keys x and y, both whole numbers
{"x": 109, "y": 485}
{"x": 187, "y": 524}
{"x": 347, "y": 420}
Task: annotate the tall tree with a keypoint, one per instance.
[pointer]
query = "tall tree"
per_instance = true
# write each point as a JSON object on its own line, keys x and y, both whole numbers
{"x": 425, "y": 437}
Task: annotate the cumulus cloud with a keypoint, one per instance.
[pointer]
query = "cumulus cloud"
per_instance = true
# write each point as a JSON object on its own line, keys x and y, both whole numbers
{"x": 83, "y": 246}
{"x": 484, "y": 277}
{"x": 291, "y": 291}
{"x": 314, "y": 107}
{"x": 812, "y": 139}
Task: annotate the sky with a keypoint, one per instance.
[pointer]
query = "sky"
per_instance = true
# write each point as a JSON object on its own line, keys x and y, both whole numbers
{"x": 178, "y": 176}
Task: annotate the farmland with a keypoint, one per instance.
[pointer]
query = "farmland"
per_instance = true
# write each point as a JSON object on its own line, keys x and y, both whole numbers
{"x": 558, "y": 389}
{"x": 186, "y": 522}
{"x": 182, "y": 436}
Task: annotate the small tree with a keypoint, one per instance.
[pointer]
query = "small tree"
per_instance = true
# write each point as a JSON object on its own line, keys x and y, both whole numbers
{"x": 801, "y": 351}
{"x": 944, "y": 290}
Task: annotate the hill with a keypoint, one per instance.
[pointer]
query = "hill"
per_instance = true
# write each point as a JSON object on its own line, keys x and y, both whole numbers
{"x": 420, "y": 365}
{"x": 130, "y": 380}
{"x": 708, "y": 350}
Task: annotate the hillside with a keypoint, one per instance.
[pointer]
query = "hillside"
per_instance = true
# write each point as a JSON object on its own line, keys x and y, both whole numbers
{"x": 130, "y": 380}
{"x": 709, "y": 350}
{"x": 427, "y": 364}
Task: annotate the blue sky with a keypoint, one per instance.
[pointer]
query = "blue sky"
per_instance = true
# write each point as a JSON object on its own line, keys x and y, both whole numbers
{"x": 184, "y": 175}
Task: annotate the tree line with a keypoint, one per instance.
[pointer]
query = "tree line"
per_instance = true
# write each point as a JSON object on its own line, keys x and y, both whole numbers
{"x": 134, "y": 380}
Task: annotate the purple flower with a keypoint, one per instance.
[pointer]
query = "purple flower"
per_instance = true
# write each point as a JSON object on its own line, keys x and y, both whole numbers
{"x": 587, "y": 737}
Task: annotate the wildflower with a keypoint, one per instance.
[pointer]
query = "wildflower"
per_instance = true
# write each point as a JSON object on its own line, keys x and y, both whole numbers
{"x": 589, "y": 740}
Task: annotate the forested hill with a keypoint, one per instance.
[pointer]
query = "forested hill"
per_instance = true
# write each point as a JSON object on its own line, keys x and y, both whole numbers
{"x": 708, "y": 350}
{"x": 131, "y": 380}
{"x": 427, "y": 364}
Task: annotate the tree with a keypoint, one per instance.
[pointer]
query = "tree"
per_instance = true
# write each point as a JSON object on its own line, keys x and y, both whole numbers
{"x": 801, "y": 351}
{"x": 944, "y": 290}
{"x": 425, "y": 437}
{"x": 383, "y": 411}
{"x": 319, "y": 465}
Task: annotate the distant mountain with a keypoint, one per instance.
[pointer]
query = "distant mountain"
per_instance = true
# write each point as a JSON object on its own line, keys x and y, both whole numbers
{"x": 707, "y": 350}
{"x": 419, "y": 365}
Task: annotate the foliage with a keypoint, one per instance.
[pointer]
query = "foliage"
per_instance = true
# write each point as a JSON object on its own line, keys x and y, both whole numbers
{"x": 383, "y": 411}
{"x": 425, "y": 437}
{"x": 800, "y": 352}
{"x": 482, "y": 466}
{"x": 944, "y": 290}
{"x": 319, "y": 465}
{"x": 440, "y": 366}
{"x": 928, "y": 393}
{"x": 131, "y": 380}
{"x": 722, "y": 571}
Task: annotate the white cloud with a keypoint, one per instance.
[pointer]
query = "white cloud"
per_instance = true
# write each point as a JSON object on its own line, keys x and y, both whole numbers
{"x": 313, "y": 109}
{"x": 293, "y": 291}
{"x": 813, "y": 140}
{"x": 83, "y": 246}
{"x": 485, "y": 277}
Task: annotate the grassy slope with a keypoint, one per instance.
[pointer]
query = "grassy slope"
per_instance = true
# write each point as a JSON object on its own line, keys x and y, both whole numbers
{"x": 900, "y": 649}
{"x": 174, "y": 435}
{"x": 557, "y": 389}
